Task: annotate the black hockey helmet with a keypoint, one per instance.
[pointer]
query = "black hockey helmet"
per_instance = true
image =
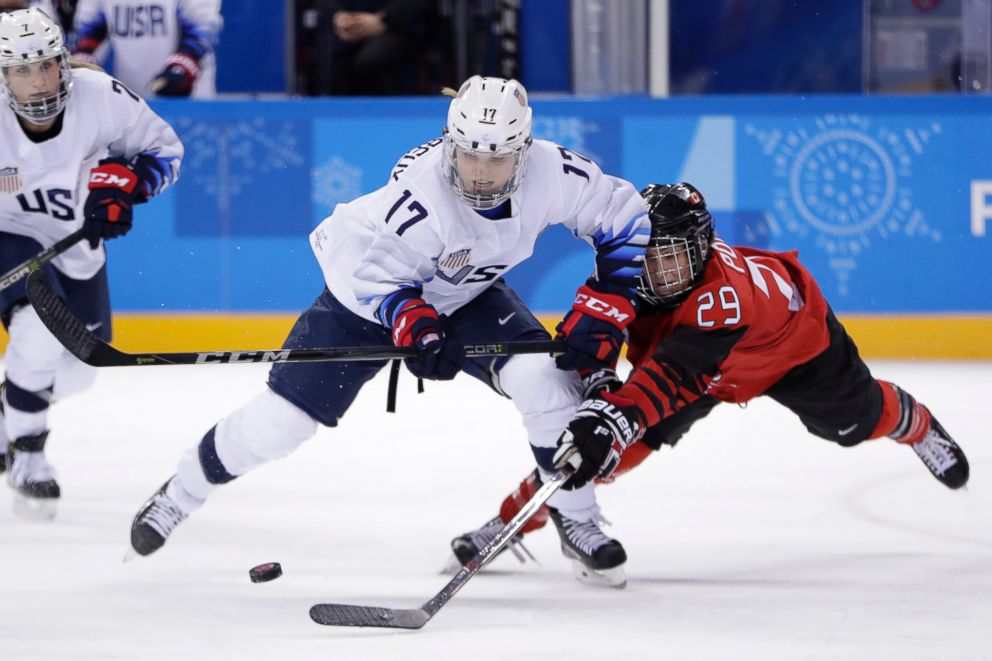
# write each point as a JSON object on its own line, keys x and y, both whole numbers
{"x": 679, "y": 247}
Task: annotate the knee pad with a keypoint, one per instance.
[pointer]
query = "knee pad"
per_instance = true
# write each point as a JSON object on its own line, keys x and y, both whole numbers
{"x": 546, "y": 396}
{"x": 266, "y": 428}
{"x": 33, "y": 353}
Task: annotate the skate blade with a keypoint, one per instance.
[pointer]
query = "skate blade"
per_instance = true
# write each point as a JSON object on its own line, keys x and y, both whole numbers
{"x": 35, "y": 509}
{"x": 614, "y": 578}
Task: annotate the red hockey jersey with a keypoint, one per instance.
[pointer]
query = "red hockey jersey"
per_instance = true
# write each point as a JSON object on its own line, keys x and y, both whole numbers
{"x": 754, "y": 316}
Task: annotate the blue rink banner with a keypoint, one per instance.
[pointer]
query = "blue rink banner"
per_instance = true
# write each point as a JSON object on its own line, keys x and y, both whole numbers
{"x": 888, "y": 200}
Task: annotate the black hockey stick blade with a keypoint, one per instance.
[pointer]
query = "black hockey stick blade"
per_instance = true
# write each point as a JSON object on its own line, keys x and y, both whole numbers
{"x": 39, "y": 260}
{"x": 348, "y": 615}
{"x": 89, "y": 348}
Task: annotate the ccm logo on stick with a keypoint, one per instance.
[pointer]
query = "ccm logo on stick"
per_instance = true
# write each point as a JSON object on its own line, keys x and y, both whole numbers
{"x": 242, "y": 357}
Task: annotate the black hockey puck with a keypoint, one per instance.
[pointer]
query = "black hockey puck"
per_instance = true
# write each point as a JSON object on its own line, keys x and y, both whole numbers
{"x": 265, "y": 573}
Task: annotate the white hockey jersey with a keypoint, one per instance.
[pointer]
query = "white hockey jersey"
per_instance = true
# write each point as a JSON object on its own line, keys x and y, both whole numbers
{"x": 144, "y": 33}
{"x": 414, "y": 232}
{"x": 43, "y": 185}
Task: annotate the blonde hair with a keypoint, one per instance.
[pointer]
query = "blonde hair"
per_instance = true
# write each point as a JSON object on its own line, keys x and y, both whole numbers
{"x": 79, "y": 64}
{"x": 447, "y": 91}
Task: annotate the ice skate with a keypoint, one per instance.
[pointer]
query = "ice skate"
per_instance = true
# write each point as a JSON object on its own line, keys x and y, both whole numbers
{"x": 942, "y": 456}
{"x": 467, "y": 546}
{"x": 36, "y": 493}
{"x": 155, "y": 521}
{"x": 596, "y": 559}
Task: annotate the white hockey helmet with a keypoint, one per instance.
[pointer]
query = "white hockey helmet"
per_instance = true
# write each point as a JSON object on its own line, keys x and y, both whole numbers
{"x": 489, "y": 117}
{"x": 28, "y": 36}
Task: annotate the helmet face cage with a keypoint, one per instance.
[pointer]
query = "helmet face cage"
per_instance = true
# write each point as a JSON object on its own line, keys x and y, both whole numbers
{"x": 487, "y": 199}
{"x": 673, "y": 265}
{"x": 679, "y": 247}
{"x": 489, "y": 118}
{"x": 28, "y": 36}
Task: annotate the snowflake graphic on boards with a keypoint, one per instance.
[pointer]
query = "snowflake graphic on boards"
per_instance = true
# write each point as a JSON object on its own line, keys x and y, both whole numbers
{"x": 845, "y": 179}
{"x": 335, "y": 181}
{"x": 226, "y": 158}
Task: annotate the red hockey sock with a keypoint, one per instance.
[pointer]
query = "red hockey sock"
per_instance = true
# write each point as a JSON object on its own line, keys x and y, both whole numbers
{"x": 516, "y": 500}
{"x": 512, "y": 504}
{"x": 903, "y": 418}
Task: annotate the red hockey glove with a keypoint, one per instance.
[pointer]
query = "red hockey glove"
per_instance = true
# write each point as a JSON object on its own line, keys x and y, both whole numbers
{"x": 417, "y": 324}
{"x": 108, "y": 208}
{"x": 593, "y": 330}
{"x": 178, "y": 76}
{"x": 596, "y": 437}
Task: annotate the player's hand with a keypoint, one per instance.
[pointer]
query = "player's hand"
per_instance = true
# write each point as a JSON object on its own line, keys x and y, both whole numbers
{"x": 593, "y": 330}
{"x": 367, "y": 25}
{"x": 594, "y": 384}
{"x": 417, "y": 324}
{"x": 107, "y": 211}
{"x": 596, "y": 437}
{"x": 178, "y": 76}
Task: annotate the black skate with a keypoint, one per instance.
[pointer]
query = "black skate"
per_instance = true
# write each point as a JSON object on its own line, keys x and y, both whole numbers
{"x": 942, "y": 456}
{"x": 467, "y": 546}
{"x": 32, "y": 478}
{"x": 596, "y": 558}
{"x": 155, "y": 521}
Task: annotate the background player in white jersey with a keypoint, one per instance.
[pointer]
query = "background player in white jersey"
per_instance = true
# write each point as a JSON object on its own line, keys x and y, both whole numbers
{"x": 419, "y": 262}
{"x": 77, "y": 149}
{"x": 161, "y": 47}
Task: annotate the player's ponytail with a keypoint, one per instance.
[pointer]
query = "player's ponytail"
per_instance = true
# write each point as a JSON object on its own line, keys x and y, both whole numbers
{"x": 80, "y": 64}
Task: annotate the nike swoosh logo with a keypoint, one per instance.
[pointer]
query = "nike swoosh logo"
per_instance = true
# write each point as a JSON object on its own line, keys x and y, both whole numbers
{"x": 93, "y": 327}
{"x": 845, "y": 432}
{"x": 502, "y": 322}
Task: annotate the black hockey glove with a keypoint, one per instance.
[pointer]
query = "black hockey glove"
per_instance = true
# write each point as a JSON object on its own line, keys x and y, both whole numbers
{"x": 593, "y": 330}
{"x": 596, "y": 437}
{"x": 178, "y": 76}
{"x": 109, "y": 206}
{"x": 595, "y": 383}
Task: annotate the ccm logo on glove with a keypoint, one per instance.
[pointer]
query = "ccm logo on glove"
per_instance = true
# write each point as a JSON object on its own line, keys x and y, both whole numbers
{"x": 601, "y": 309}
{"x": 123, "y": 179}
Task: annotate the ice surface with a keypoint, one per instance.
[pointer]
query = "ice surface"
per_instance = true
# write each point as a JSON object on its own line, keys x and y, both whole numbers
{"x": 750, "y": 540}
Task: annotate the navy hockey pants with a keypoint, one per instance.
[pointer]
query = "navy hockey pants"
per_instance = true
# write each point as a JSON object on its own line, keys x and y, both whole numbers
{"x": 325, "y": 390}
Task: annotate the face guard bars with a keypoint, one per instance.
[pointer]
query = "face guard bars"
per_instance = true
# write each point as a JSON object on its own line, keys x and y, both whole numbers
{"x": 673, "y": 265}
{"x": 493, "y": 198}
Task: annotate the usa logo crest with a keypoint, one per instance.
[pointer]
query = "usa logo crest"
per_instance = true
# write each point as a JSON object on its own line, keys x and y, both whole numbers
{"x": 456, "y": 259}
{"x": 10, "y": 181}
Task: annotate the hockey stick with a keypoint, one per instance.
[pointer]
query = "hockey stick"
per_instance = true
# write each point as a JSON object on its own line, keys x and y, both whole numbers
{"x": 92, "y": 350}
{"x": 39, "y": 260}
{"x": 347, "y": 615}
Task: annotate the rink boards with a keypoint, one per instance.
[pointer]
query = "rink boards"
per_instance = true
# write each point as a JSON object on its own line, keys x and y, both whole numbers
{"x": 888, "y": 200}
